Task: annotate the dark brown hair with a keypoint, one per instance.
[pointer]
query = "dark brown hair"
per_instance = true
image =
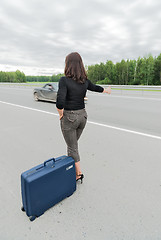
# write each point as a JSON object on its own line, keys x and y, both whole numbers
{"x": 74, "y": 67}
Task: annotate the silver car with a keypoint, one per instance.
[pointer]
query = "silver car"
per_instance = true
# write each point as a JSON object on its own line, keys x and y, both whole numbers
{"x": 47, "y": 93}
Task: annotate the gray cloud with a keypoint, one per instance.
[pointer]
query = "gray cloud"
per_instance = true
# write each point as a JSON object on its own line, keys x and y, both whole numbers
{"x": 37, "y": 35}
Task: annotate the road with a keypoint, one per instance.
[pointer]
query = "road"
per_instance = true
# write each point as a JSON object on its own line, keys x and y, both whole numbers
{"x": 120, "y": 150}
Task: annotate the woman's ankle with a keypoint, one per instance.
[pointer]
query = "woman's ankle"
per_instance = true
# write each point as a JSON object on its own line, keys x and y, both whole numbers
{"x": 77, "y": 168}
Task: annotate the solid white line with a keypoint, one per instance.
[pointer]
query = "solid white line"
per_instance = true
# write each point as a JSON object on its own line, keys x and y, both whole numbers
{"x": 33, "y": 109}
{"x": 139, "y": 98}
{"x": 125, "y": 130}
{"x": 128, "y": 97}
{"x": 90, "y": 122}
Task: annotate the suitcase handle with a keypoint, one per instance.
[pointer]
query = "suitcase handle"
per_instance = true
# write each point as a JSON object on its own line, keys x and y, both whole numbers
{"x": 52, "y": 159}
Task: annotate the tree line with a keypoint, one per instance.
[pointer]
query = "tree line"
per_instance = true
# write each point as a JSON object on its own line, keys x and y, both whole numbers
{"x": 19, "y": 77}
{"x": 53, "y": 78}
{"x": 143, "y": 71}
{"x": 12, "y": 77}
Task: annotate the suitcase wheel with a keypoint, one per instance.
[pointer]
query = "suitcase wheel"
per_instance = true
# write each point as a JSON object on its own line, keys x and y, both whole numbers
{"x": 23, "y": 209}
{"x": 32, "y": 218}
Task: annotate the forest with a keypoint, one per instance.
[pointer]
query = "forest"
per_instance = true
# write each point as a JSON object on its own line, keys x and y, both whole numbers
{"x": 143, "y": 71}
{"x": 12, "y": 77}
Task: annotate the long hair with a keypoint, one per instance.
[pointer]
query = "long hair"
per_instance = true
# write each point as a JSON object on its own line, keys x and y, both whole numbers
{"x": 74, "y": 67}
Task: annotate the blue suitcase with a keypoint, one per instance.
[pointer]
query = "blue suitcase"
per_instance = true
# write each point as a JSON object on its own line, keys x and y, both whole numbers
{"x": 47, "y": 184}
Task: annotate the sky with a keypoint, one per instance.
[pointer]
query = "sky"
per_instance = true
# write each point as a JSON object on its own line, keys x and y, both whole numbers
{"x": 37, "y": 35}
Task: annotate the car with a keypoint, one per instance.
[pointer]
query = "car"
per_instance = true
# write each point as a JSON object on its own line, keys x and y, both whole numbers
{"x": 48, "y": 92}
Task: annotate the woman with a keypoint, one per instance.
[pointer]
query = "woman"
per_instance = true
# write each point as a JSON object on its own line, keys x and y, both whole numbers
{"x": 71, "y": 107}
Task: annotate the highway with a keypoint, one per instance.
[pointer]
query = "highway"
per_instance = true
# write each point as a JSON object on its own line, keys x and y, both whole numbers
{"x": 120, "y": 150}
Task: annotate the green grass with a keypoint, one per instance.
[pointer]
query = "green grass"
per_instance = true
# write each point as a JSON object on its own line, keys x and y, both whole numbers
{"x": 37, "y": 82}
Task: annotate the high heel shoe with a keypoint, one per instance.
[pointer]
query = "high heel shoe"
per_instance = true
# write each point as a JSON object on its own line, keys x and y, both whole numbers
{"x": 81, "y": 176}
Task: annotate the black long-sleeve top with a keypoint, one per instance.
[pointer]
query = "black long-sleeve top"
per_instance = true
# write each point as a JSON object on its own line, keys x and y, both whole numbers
{"x": 71, "y": 94}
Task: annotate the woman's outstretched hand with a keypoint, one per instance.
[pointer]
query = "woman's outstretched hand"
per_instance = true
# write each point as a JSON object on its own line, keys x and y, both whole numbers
{"x": 107, "y": 90}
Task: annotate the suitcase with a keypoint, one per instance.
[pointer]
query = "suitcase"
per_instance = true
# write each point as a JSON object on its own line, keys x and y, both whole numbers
{"x": 47, "y": 184}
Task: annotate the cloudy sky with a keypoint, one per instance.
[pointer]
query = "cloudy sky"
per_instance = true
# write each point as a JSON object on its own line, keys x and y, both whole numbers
{"x": 36, "y": 35}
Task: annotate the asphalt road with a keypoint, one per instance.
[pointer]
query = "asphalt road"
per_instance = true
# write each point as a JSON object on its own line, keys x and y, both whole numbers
{"x": 120, "y": 150}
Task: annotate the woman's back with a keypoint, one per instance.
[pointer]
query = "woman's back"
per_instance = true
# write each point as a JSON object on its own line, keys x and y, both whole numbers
{"x": 71, "y": 94}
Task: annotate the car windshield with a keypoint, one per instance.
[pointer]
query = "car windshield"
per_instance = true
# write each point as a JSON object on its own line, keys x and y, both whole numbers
{"x": 55, "y": 85}
{"x": 52, "y": 85}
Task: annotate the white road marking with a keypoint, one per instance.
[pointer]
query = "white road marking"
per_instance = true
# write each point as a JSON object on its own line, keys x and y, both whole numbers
{"x": 90, "y": 122}
{"x": 139, "y": 98}
{"x": 126, "y": 130}
{"x": 120, "y": 96}
{"x": 33, "y": 109}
